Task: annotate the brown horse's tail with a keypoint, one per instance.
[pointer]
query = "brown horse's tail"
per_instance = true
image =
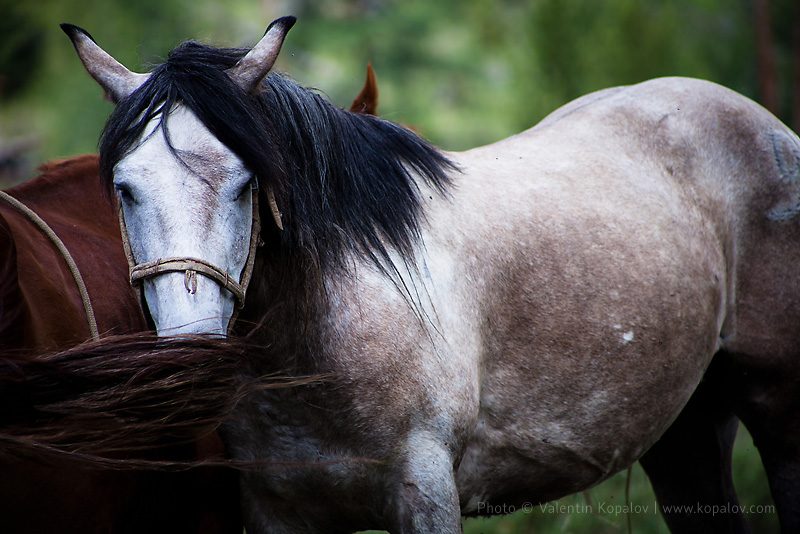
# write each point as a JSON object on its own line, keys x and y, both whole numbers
{"x": 122, "y": 396}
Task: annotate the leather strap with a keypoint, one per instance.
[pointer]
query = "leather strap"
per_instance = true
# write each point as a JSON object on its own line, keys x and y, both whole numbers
{"x": 171, "y": 265}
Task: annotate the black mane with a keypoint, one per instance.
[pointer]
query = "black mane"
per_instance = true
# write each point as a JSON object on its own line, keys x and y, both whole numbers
{"x": 344, "y": 182}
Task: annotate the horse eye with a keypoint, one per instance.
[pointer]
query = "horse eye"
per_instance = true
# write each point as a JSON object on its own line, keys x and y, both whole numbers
{"x": 251, "y": 184}
{"x": 124, "y": 192}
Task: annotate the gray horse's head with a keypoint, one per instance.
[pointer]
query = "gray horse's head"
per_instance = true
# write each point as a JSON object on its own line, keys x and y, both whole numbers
{"x": 186, "y": 196}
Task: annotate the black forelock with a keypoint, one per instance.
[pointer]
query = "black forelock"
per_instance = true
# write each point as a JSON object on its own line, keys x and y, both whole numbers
{"x": 344, "y": 182}
{"x": 193, "y": 75}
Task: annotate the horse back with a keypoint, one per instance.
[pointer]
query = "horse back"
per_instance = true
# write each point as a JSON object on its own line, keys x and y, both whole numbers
{"x": 726, "y": 162}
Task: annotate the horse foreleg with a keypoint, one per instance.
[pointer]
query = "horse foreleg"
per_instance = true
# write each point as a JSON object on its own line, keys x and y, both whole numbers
{"x": 426, "y": 497}
{"x": 690, "y": 466}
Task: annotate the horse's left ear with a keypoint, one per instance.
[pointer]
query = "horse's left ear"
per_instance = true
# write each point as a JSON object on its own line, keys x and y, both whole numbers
{"x": 251, "y": 70}
{"x": 366, "y": 102}
{"x": 117, "y": 81}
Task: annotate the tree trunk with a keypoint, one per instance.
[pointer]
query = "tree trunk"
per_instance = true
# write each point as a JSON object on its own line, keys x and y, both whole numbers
{"x": 767, "y": 83}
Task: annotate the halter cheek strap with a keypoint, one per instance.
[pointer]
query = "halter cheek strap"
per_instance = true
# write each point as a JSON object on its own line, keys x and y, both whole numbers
{"x": 194, "y": 266}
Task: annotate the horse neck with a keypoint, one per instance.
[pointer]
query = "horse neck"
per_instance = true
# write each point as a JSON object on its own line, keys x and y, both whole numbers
{"x": 302, "y": 311}
{"x": 286, "y": 302}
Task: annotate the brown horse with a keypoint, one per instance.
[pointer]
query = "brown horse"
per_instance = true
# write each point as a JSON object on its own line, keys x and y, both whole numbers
{"x": 505, "y": 325}
{"x": 40, "y": 311}
{"x": 367, "y": 100}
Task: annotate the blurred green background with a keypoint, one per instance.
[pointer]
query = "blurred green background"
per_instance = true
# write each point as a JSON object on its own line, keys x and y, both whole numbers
{"x": 462, "y": 72}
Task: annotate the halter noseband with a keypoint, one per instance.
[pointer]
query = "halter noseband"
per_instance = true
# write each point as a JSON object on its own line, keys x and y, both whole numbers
{"x": 194, "y": 266}
{"x": 191, "y": 266}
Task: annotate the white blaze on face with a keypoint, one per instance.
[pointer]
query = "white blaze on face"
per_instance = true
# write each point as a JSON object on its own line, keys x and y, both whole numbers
{"x": 192, "y": 202}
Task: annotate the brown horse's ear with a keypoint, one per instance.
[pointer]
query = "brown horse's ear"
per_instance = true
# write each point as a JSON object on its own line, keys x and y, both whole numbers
{"x": 367, "y": 100}
{"x": 251, "y": 70}
{"x": 117, "y": 81}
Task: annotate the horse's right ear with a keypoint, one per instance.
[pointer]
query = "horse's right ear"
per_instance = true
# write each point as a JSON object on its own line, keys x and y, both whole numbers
{"x": 117, "y": 81}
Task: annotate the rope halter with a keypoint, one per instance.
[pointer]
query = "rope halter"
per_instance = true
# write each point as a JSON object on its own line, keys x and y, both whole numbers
{"x": 194, "y": 266}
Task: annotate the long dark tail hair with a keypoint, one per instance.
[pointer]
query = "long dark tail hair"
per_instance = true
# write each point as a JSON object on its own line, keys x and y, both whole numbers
{"x": 124, "y": 396}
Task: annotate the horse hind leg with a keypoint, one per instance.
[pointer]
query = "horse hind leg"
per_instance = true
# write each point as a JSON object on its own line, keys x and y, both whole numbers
{"x": 690, "y": 466}
{"x": 761, "y": 341}
{"x": 767, "y": 402}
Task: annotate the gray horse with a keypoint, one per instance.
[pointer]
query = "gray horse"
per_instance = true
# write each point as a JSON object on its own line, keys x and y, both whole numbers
{"x": 509, "y": 324}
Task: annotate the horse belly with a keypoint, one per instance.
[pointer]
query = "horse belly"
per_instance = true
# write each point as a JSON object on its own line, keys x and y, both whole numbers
{"x": 567, "y": 400}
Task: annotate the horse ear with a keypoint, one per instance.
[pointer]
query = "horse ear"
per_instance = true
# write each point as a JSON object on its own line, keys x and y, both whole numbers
{"x": 117, "y": 81}
{"x": 367, "y": 100}
{"x": 251, "y": 70}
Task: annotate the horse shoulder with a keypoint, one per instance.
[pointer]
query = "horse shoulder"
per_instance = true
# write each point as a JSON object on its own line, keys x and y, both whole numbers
{"x": 383, "y": 332}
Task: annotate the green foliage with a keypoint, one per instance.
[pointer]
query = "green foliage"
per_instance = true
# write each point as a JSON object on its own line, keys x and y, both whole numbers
{"x": 20, "y": 48}
{"x": 463, "y": 72}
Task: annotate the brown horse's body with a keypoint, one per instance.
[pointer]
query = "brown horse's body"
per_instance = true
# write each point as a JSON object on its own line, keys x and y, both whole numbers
{"x": 48, "y": 311}
{"x": 41, "y": 311}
